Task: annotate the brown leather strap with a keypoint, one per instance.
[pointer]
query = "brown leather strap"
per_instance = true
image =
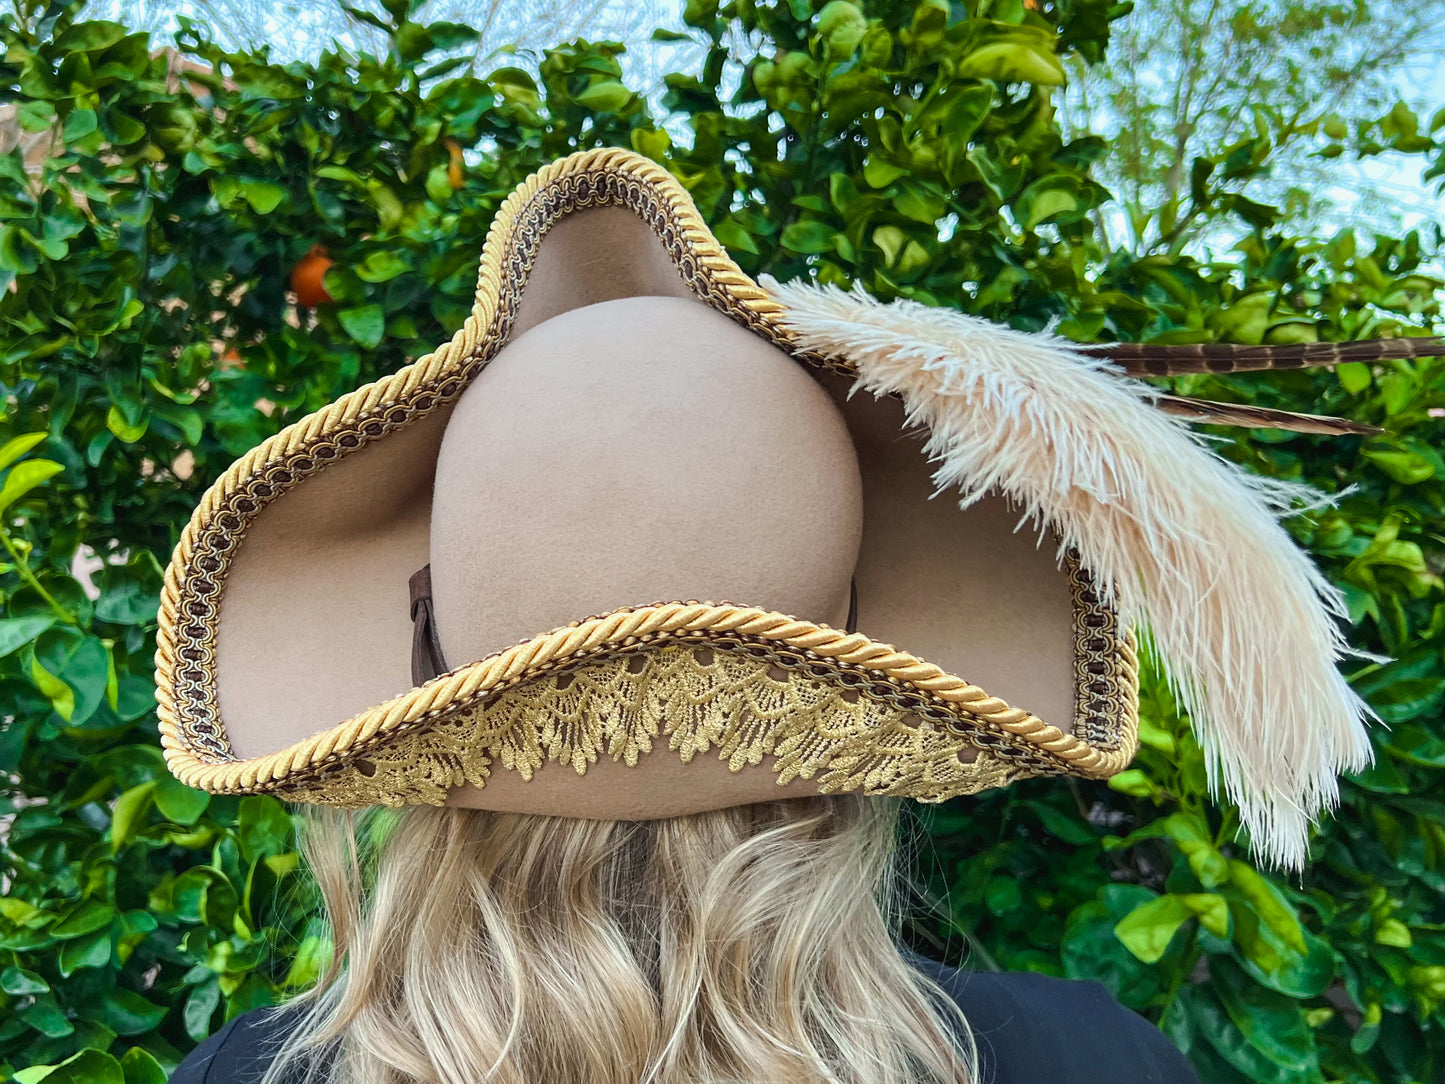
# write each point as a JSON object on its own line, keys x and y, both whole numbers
{"x": 852, "y": 623}
{"x": 426, "y": 647}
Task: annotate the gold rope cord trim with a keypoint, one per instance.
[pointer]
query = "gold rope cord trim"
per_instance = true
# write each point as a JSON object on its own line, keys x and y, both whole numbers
{"x": 191, "y": 728}
{"x": 850, "y": 660}
{"x": 692, "y": 701}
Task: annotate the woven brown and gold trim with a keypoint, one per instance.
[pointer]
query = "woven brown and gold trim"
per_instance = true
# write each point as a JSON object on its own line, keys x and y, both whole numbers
{"x": 192, "y": 731}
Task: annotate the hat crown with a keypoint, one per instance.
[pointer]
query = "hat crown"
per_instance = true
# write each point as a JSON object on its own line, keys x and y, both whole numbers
{"x": 635, "y": 451}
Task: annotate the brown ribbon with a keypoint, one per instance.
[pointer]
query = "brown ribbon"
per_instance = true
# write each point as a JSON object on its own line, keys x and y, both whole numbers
{"x": 426, "y": 646}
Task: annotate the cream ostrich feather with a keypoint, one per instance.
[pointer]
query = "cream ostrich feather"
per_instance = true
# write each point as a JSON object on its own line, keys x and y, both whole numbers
{"x": 1185, "y": 544}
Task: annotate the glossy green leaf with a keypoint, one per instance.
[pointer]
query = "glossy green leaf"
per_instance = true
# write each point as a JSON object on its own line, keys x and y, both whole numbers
{"x": 128, "y": 1013}
{"x": 608, "y": 95}
{"x": 18, "y": 981}
{"x": 178, "y": 802}
{"x": 15, "y": 632}
{"x": 365, "y": 323}
{"x": 86, "y": 1067}
{"x": 18, "y": 447}
{"x": 807, "y": 235}
{"x": 141, "y": 1067}
{"x": 129, "y": 808}
{"x": 1148, "y": 930}
{"x": 24, "y": 477}
{"x": 1012, "y": 62}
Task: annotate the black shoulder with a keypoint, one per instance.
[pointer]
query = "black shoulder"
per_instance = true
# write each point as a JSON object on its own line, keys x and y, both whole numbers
{"x": 240, "y": 1052}
{"x": 1036, "y": 1029}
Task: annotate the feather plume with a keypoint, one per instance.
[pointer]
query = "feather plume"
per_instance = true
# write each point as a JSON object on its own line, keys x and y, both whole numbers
{"x": 1184, "y": 543}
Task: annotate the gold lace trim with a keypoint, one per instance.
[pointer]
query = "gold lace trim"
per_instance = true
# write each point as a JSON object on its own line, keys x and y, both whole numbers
{"x": 694, "y": 701}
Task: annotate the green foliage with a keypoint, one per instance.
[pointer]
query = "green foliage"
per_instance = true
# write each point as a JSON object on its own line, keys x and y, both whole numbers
{"x": 148, "y": 336}
{"x": 1265, "y": 100}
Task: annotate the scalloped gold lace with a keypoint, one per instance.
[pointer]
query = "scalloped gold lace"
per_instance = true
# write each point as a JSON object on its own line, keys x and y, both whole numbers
{"x": 696, "y": 700}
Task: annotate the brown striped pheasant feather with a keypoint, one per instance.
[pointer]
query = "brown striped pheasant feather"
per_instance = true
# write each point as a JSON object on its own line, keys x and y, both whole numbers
{"x": 1247, "y": 416}
{"x": 1151, "y": 359}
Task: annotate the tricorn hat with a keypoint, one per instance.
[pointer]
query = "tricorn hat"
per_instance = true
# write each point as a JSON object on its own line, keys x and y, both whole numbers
{"x": 647, "y": 537}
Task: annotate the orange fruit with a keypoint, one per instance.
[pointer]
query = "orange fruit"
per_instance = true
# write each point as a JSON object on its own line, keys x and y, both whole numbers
{"x": 454, "y": 167}
{"x": 307, "y": 278}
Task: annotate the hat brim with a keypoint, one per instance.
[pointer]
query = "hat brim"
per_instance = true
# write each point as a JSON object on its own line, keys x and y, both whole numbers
{"x": 1000, "y": 621}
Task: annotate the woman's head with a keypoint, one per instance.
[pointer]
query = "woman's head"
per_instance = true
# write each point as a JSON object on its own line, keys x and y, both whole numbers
{"x": 748, "y": 944}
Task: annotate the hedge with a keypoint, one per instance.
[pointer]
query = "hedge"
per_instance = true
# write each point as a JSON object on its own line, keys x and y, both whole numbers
{"x": 164, "y": 207}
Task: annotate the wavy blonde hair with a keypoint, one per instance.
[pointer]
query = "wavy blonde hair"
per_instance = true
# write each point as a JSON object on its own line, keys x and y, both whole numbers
{"x": 743, "y": 946}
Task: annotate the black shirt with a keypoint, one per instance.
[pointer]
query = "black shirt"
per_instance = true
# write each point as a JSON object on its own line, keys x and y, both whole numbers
{"x": 1030, "y": 1029}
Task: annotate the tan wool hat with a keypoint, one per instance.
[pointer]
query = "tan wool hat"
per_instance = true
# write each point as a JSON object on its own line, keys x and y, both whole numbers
{"x": 647, "y": 537}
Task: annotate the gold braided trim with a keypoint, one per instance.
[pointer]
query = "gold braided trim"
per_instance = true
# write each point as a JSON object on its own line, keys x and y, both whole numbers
{"x": 852, "y": 660}
{"x": 691, "y": 701}
{"x": 192, "y": 732}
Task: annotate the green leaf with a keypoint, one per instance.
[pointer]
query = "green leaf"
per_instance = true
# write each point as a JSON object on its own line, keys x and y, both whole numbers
{"x": 389, "y": 209}
{"x": 126, "y": 431}
{"x": 1148, "y": 930}
{"x": 18, "y": 981}
{"x": 1134, "y": 782}
{"x": 605, "y": 96}
{"x": 880, "y": 173}
{"x": 438, "y": 190}
{"x": 383, "y": 264}
{"x": 200, "y": 1007}
{"x": 1011, "y": 62}
{"x": 128, "y": 603}
{"x": 1048, "y": 197}
{"x": 263, "y": 196}
{"x": 808, "y": 236}
{"x": 129, "y": 808}
{"x": 1274, "y": 1025}
{"x": 364, "y": 323}
{"x": 412, "y": 41}
{"x": 90, "y": 36}
{"x": 86, "y": 1067}
{"x": 60, "y": 695}
{"x": 1091, "y": 950}
{"x": 82, "y": 663}
{"x": 127, "y": 1013}
{"x": 1394, "y": 932}
{"x": 1070, "y": 828}
{"x": 263, "y": 827}
{"x": 24, "y": 477}
{"x": 45, "y": 1017}
{"x": 1269, "y": 903}
{"x": 93, "y": 950}
{"x": 178, "y": 802}
{"x": 1354, "y": 376}
{"x": 79, "y": 124}
{"x": 1404, "y": 466}
{"x": 141, "y": 1067}
{"x": 86, "y": 918}
{"x": 18, "y": 631}
{"x": 311, "y": 960}
{"x": 17, "y": 447}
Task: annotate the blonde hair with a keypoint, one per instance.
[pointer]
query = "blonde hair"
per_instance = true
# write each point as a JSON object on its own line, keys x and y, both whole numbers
{"x": 743, "y": 946}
